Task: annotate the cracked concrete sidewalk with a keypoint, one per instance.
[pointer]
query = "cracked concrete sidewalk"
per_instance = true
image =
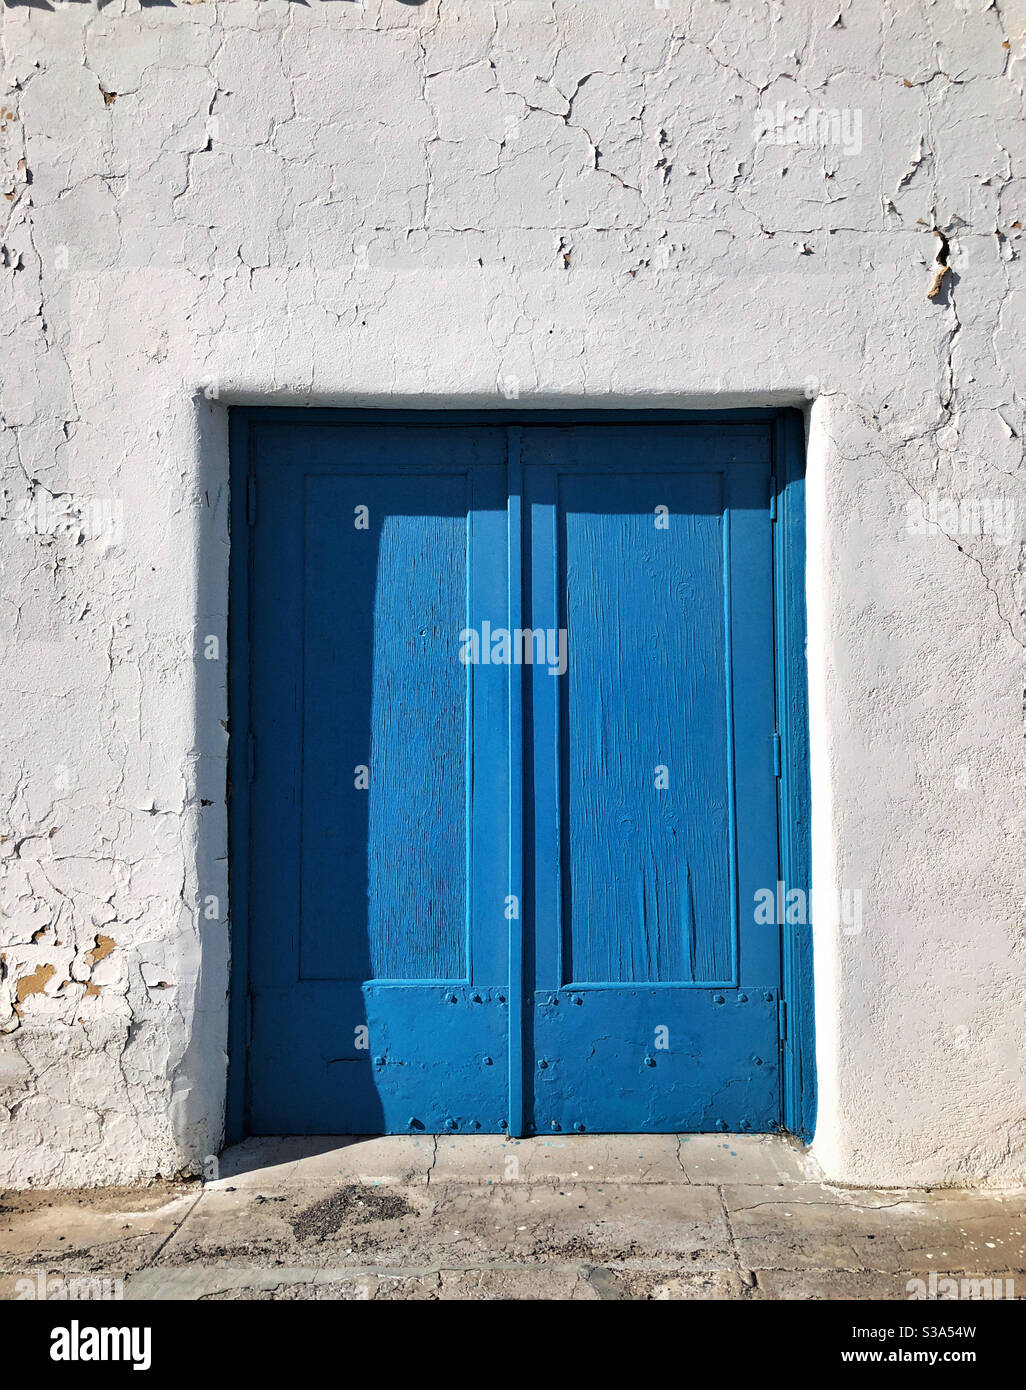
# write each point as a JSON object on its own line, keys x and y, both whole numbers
{"x": 566, "y": 1217}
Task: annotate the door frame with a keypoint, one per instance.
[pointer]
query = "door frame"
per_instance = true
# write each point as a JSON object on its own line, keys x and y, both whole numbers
{"x": 786, "y": 427}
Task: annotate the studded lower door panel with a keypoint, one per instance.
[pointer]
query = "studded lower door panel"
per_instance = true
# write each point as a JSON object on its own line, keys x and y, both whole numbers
{"x": 655, "y": 1060}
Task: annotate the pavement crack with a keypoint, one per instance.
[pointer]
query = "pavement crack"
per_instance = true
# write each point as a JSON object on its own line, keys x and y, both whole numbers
{"x": 840, "y": 1206}
{"x": 151, "y": 1262}
{"x": 730, "y": 1228}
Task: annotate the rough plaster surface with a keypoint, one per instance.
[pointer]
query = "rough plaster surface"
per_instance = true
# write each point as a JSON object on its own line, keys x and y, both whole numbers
{"x": 566, "y": 203}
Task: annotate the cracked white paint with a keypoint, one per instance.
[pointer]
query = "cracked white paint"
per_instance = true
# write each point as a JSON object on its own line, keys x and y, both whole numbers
{"x": 561, "y": 203}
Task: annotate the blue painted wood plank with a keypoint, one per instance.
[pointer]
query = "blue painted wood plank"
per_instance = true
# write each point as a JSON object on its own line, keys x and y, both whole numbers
{"x": 236, "y": 1108}
{"x": 644, "y": 719}
{"x": 799, "y": 1053}
{"x": 384, "y": 727}
{"x": 544, "y": 849}
{"x": 753, "y": 716}
{"x": 515, "y": 904}
{"x": 488, "y": 849}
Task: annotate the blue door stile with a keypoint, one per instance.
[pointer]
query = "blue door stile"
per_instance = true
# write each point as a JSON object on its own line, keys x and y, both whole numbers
{"x": 515, "y": 897}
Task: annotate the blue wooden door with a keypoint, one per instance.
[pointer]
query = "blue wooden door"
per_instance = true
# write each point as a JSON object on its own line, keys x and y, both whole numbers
{"x": 511, "y": 788}
{"x": 379, "y": 782}
{"x": 653, "y": 993}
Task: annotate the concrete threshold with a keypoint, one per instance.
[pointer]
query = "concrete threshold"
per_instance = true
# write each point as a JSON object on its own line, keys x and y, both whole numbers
{"x": 586, "y": 1158}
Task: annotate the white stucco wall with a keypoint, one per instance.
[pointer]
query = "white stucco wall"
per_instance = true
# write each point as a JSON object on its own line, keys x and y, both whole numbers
{"x": 266, "y": 202}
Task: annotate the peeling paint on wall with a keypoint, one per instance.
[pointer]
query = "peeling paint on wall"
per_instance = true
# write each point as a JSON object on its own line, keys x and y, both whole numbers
{"x": 104, "y": 946}
{"x": 940, "y": 265}
{"x": 35, "y": 983}
{"x": 463, "y": 204}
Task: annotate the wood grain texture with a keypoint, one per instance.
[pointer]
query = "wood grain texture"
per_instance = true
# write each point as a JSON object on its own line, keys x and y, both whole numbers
{"x": 647, "y": 887}
{"x": 383, "y": 892}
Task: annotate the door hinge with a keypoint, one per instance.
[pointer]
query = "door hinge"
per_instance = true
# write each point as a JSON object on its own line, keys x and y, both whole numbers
{"x": 251, "y": 499}
{"x": 773, "y": 498}
{"x": 782, "y": 1019}
{"x": 250, "y": 756}
{"x": 776, "y": 755}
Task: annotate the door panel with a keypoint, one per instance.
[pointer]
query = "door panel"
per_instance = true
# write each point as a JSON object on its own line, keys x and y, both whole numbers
{"x": 377, "y": 969}
{"x": 643, "y": 720}
{"x": 654, "y": 1003}
{"x": 382, "y": 691}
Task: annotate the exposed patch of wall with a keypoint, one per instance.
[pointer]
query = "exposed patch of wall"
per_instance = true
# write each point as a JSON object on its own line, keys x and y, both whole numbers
{"x": 456, "y": 203}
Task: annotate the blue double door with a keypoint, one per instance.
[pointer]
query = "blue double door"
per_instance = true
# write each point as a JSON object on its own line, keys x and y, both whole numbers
{"x": 511, "y": 784}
